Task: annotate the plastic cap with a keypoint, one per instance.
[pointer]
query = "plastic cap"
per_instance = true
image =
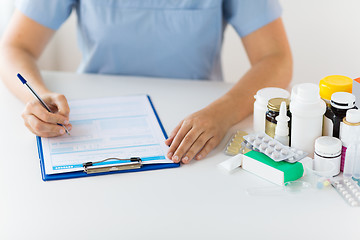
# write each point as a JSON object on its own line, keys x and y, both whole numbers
{"x": 342, "y": 100}
{"x": 306, "y": 101}
{"x": 353, "y": 116}
{"x": 328, "y": 146}
{"x": 357, "y": 80}
{"x": 282, "y": 127}
{"x": 334, "y": 83}
{"x": 265, "y": 94}
{"x": 307, "y": 92}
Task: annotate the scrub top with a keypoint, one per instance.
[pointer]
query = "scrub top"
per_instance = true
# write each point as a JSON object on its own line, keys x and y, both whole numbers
{"x": 157, "y": 38}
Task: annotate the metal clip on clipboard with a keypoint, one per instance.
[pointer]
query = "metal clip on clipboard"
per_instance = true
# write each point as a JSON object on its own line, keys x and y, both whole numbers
{"x": 91, "y": 167}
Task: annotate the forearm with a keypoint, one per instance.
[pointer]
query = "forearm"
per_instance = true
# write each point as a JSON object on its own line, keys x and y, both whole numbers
{"x": 272, "y": 71}
{"x": 14, "y": 60}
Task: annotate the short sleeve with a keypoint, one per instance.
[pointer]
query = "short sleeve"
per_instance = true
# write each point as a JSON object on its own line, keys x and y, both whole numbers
{"x": 247, "y": 16}
{"x": 50, "y": 13}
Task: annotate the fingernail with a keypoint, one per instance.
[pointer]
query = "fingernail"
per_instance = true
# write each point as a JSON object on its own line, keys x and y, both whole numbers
{"x": 170, "y": 154}
{"x": 66, "y": 122}
{"x": 175, "y": 159}
{"x": 198, "y": 157}
{"x": 69, "y": 128}
{"x": 185, "y": 159}
{"x": 62, "y": 131}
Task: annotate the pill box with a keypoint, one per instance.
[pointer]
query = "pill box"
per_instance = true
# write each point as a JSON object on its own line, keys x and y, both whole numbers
{"x": 275, "y": 172}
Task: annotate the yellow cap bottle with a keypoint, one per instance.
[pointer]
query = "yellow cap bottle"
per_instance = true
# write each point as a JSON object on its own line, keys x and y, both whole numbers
{"x": 334, "y": 83}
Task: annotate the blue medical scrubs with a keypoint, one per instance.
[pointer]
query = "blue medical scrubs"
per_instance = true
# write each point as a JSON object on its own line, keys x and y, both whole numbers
{"x": 157, "y": 38}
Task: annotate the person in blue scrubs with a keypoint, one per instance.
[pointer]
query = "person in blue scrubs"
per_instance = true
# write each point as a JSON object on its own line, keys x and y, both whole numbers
{"x": 156, "y": 38}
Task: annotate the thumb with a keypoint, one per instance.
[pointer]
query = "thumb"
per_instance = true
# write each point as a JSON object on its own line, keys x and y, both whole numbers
{"x": 62, "y": 105}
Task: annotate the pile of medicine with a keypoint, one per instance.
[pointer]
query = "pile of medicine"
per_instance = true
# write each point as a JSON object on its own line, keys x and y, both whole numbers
{"x": 322, "y": 121}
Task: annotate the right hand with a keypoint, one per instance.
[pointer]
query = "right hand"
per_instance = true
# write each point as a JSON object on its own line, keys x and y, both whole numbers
{"x": 43, "y": 123}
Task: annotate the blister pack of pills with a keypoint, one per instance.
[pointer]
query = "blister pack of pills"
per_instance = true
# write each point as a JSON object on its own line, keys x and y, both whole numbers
{"x": 236, "y": 144}
{"x": 298, "y": 155}
{"x": 262, "y": 142}
{"x": 348, "y": 190}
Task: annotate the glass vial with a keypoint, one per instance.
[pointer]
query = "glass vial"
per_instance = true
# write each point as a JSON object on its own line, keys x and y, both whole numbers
{"x": 273, "y": 110}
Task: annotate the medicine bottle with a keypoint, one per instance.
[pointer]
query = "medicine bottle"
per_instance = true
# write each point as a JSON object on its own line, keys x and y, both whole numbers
{"x": 329, "y": 85}
{"x": 348, "y": 126}
{"x": 307, "y": 111}
{"x": 327, "y": 155}
{"x": 340, "y": 103}
{"x": 273, "y": 110}
{"x": 260, "y": 105}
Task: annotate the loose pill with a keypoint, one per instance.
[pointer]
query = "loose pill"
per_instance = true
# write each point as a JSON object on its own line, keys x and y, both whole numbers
{"x": 326, "y": 183}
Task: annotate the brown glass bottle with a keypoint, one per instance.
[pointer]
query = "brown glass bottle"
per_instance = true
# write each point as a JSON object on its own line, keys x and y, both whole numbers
{"x": 272, "y": 112}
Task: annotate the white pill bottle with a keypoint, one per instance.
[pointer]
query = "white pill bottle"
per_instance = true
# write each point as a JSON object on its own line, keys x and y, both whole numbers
{"x": 348, "y": 128}
{"x": 260, "y": 106}
{"x": 327, "y": 155}
{"x": 307, "y": 110}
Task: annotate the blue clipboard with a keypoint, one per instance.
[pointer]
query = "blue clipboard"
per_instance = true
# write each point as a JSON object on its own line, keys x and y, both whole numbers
{"x": 145, "y": 167}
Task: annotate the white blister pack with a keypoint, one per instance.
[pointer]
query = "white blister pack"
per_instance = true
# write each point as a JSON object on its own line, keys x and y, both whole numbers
{"x": 262, "y": 142}
{"x": 348, "y": 190}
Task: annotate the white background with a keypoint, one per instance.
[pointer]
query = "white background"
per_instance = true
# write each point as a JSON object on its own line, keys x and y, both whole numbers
{"x": 324, "y": 37}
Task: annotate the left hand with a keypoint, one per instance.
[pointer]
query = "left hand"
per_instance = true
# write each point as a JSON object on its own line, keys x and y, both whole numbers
{"x": 197, "y": 135}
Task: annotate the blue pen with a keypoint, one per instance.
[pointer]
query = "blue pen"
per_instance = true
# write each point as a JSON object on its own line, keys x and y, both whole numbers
{"x": 39, "y": 98}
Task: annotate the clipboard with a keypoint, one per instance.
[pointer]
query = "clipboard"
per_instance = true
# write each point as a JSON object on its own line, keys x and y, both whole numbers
{"x": 135, "y": 165}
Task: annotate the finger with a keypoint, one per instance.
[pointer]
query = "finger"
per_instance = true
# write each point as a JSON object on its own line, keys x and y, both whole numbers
{"x": 68, "y": 126}
{"x": 173, "y": 134}
{"x": 210, "y": 145}
{"x": 195, "y": 148}
{"x": 62, "y": 105}
{"x": 35, "y": 108}
{"x": 184, "y": 129}
{"x": 186, "y": 143}
{"x": 43, "y": 129}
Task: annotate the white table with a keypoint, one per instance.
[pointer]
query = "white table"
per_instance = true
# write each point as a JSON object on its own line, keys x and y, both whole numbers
{"x": 195, "y": 201}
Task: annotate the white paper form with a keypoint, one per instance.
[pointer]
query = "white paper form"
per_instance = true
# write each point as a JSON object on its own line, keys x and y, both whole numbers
{"x": 120, "y": 127}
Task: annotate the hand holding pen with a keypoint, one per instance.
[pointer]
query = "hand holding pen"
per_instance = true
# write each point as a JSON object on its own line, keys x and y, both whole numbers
{"x": 47, "y": 116}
